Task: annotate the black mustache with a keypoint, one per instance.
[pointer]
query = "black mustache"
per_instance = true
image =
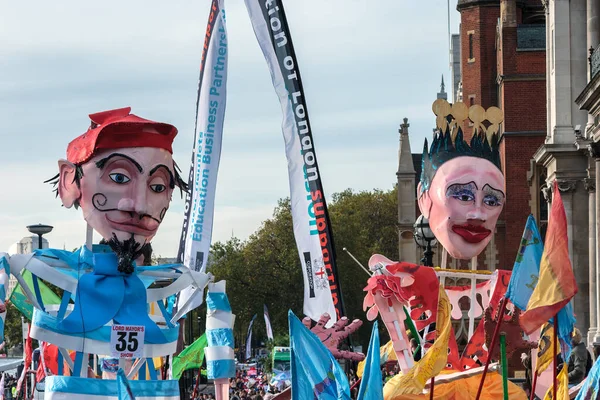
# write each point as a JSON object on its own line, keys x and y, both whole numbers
{"x": 99, "y": 200}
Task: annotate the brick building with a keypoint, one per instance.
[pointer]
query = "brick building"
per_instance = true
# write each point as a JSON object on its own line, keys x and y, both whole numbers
{"x": 503, "y": 64}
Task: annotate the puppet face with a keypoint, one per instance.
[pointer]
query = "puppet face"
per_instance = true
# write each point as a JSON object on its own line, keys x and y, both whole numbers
{"x": 125, "y": 192}
{"x": 463, "y": 204}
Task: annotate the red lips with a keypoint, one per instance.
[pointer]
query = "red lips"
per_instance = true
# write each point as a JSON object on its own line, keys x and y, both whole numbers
{"x": 471, "y": 233}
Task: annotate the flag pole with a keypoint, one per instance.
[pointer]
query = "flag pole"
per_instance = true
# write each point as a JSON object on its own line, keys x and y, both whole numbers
{"x": 554, "y": 360}
{"x": 534, "y": 383}
{"x": 504, "y": 364}
{"x": 492, "y": 343}
{"x": 197, "y": 383}
{"x": 532, "y": 394}
{"x": 432, "y": 386}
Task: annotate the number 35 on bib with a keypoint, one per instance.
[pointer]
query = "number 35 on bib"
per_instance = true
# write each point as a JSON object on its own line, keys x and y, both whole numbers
{"x": 127, "y": 341}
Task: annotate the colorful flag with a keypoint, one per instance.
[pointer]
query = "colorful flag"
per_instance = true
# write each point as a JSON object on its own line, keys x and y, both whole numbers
{"x": 123, "y": 389}
{"x": 190, "y": 357}
{"x": 524, "y": 279}
{"x": 312, "y": 228}
{"x": 316, "y": 374}
{"x": 545, "y": 354}
{"x": 23, "y": 304}
{"x": 526, "y": 270}
{"x": 556, "y": 284}
{"x": 591, "y": 385}
{"x": 249, "y": 339}
{"x": 268, "y": 323}
{"x": 434, "y": 360}
{"x": 371, "y": 385}
{"x": 562, "y": 390}
{"x": 197, "y": 227}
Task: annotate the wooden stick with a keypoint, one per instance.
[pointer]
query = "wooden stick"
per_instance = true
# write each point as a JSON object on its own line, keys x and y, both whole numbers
{"x": 444, "y": 266}
{"x": 492, "y": 343}
{"x": 197, "y": 384}
{"x": 554, "y": 360}
{"x": 533, "y": 385}
{"x": 535, "y": 376}
{"x": 473, "y": 300}
{"x": 431, "y": 387}
{"x": 504, "y": 365}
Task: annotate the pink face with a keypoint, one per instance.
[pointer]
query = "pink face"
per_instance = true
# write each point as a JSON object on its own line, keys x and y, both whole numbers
{"x": 125, "y": 192}
{"x": 463, "y": 204}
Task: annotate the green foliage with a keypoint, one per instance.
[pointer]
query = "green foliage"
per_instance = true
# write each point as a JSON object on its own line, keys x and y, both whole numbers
{"x": 265, "y": 269}
{"x": 13, "y": 331}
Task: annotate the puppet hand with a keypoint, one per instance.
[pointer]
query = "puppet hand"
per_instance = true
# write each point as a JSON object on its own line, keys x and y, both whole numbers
{"x": 333, "y": 336}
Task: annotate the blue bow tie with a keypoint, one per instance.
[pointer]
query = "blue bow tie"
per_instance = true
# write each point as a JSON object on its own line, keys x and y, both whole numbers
{"x": 106, "y": 295}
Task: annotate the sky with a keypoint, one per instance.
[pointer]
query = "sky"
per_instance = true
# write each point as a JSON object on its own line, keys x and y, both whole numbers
{"x": 365, "y": 66}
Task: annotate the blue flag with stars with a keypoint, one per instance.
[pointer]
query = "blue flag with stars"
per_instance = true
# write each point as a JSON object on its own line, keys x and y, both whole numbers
{"x": 316, "y": 374}
{"x": 371, "y": 385}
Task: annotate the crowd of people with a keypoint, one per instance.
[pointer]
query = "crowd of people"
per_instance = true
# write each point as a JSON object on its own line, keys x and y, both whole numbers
{"x": 253, "y": 385}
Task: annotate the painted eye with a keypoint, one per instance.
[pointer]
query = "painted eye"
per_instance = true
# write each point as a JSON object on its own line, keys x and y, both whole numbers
{"x": 491, "y": 201}
{"x": 464, "y": 196}
{"x": 119, "y": 178}
{"x": 158, "y": 188}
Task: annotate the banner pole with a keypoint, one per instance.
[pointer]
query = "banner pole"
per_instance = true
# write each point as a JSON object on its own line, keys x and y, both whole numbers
{"x": 533, "y": 385}
{"x": 504, "y": 364}
{"x": 535, "y": 376}
{"x": 197, "y": 384}
{"x": 492, "y": 343}
{"x": 554, "y": 359}
{"x": 432, "y": 386}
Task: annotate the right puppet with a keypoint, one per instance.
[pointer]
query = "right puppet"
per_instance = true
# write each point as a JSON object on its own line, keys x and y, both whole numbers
{"x": 461, "y": 192}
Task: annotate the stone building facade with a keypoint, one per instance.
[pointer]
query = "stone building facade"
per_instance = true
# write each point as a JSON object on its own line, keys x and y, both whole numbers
{"x": 571, "y": 153}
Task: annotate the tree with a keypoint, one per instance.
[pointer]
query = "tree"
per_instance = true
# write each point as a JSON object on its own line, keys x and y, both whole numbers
{"x": 265, "y": 269}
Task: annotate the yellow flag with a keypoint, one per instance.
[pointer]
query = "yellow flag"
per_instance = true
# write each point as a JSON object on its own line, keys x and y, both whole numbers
{"x": 562, "y": 393}
{"x": 545, "y": 348}
{"x": 432, "y": 363}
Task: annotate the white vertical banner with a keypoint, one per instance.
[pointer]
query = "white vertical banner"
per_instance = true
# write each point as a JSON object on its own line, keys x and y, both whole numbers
{"x": 312, "y": 228}
{"x": 249, "y": 339}
{"x": 268, "y": 327}
{"x": 210, "y": 112}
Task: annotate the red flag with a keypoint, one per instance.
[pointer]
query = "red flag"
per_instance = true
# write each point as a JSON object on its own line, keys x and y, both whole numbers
{"x": 48, "y": 361}
{"x": 28, "y": 349}
{"x": 556, "y": 283}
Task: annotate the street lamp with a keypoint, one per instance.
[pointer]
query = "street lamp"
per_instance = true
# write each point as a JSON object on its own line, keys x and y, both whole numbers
{"x": 425, "y": 239}
{"x": 40, "y": 230}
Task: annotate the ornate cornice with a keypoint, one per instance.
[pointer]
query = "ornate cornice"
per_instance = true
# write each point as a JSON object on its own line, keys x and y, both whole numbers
{"x": 594, "y": 149}
{"x": 590, "y": 184}
{"x": 567, "y": 185}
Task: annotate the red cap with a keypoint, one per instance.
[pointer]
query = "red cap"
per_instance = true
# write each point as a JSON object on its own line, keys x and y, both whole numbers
{"x": 116, "y": 129}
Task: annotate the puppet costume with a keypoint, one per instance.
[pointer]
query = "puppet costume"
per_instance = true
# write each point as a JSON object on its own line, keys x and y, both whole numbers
{"x": 124, "y": 196}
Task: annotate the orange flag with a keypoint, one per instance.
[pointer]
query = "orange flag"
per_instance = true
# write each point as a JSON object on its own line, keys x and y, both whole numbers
{"x": 556, "y": 283}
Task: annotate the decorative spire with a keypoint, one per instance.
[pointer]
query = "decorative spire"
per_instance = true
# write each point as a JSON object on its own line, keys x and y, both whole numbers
{"x": 442, "y": 94}
{"x": 405, "y": 162}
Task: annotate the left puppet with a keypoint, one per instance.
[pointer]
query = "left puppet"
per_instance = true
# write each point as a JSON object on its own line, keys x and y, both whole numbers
{"x": 121, "y": 173}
